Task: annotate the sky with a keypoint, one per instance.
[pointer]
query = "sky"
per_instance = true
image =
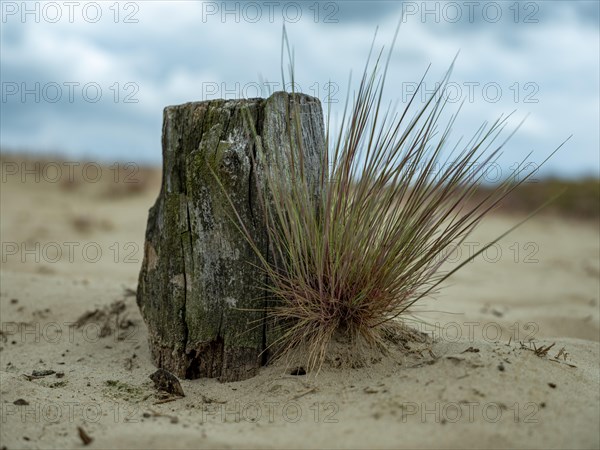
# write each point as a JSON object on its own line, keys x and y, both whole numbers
{"x": 89, "y": 80}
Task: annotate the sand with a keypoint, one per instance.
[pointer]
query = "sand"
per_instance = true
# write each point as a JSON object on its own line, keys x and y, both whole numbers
{"x": 514, "y": 363}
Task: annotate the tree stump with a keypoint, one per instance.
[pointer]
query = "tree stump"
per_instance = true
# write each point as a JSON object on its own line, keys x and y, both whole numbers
{"x": 198, "y": 290}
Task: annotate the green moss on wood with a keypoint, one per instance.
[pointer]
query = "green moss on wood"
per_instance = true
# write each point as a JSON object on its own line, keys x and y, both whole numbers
{"x": 202, "y": 297}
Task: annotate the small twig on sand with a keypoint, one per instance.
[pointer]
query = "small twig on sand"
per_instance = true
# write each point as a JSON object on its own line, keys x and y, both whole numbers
{"x": 166, "y": 400}
{"x": 85, "y": 438}
{"x": 302, "y": 394}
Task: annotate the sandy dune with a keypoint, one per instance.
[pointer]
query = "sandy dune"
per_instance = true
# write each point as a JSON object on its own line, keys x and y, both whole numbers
{"x": 515, "y": 362}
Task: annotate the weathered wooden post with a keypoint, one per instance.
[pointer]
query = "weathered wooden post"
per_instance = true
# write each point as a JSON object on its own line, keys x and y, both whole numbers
{"x": 198, "y": 291}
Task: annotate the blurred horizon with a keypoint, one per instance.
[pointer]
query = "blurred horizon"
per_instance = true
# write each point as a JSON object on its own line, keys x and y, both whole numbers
{"x": 89, "y": 82}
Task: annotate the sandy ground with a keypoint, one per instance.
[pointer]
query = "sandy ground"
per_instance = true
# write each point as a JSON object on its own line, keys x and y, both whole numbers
{"x": 488, "y": 381}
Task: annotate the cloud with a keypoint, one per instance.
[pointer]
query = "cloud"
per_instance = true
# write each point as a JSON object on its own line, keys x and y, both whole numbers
{"x": 177, "y": 52}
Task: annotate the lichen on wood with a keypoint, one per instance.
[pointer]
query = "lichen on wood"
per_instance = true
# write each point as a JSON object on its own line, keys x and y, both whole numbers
{"x": 199, "y": 290}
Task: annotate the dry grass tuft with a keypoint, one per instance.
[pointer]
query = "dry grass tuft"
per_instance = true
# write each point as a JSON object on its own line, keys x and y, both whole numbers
{"x": 354, "y": 261}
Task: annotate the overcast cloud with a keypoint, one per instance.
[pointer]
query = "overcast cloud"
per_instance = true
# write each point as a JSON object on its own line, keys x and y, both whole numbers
{"x": 538, "y": 58}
